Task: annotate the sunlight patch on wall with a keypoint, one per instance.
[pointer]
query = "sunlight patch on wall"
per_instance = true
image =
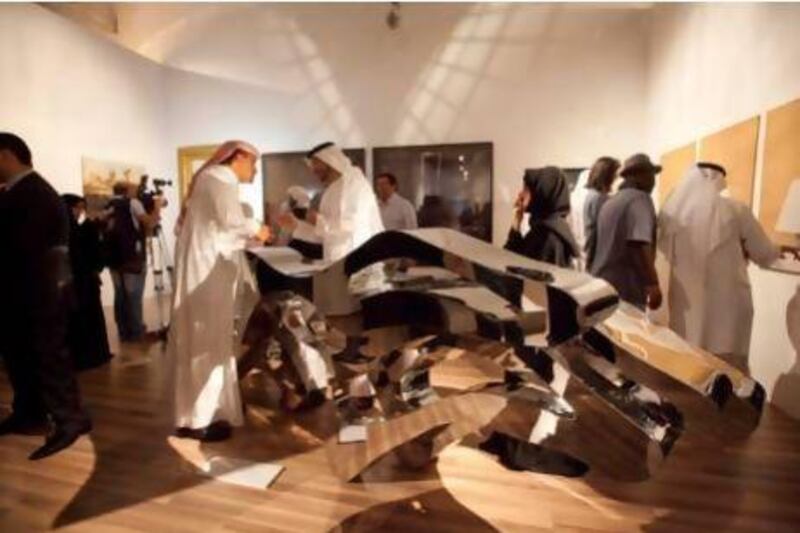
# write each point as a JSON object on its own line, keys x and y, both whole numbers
{"x": 446, "y": 85}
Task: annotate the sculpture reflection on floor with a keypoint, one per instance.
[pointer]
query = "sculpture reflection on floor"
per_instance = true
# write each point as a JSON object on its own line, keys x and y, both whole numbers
{"x": 558, "y": 377}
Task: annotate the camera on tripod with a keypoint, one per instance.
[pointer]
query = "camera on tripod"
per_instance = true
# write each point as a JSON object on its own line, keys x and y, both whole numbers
{"x": 147, "y": 197}
{"x": 158, "y": 253}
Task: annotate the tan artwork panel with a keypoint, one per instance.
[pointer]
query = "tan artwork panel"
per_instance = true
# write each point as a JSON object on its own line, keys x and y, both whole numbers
{"x": 674, "y": 165}
{"x": 735, "y": 149}
{"x": 781, "y": 165}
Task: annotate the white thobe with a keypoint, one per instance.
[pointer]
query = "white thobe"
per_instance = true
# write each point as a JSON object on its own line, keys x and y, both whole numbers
{"x": 210, "y": 271}
{"x": 348, "y": 215}
{"x": 710, "y": 301}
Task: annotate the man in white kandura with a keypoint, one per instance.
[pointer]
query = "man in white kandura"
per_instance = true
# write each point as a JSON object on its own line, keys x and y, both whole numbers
{"x": 348, "y": 212}
{"x": 210, "y": 270}
{"x": 707, "y": 240}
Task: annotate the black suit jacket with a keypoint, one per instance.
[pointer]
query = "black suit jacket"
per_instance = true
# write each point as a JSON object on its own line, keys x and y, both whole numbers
{"x": 34, "y": 264}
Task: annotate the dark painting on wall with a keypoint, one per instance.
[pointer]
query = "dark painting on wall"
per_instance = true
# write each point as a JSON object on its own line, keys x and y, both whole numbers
{"x": 572, "y": 174}
{"x": 282, "y": 170}
{"x": 450, "y": 185}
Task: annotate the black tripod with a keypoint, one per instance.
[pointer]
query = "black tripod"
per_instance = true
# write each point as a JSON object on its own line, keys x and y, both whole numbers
{"x": 161, "y": 263}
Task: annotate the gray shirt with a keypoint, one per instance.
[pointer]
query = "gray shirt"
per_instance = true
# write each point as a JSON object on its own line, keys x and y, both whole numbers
{"x": 591, "y": 210}
{"x": 137, "y": 211}
{"x": 397, "y": 213}
{"x": 628, "y": 216}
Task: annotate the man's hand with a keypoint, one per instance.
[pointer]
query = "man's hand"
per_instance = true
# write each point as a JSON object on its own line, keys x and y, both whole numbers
{"x": 264, "y": 234}
{"x": 654, "y": 297}
{"x": 516, "y": 222}
{"x": 520, "y": 206}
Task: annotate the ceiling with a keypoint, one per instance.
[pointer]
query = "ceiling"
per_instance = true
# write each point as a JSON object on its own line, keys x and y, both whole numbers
{"x": 274, "y": 45}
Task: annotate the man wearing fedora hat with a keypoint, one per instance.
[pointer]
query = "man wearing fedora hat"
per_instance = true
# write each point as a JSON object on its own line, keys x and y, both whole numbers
{"x": 626, "y": 236}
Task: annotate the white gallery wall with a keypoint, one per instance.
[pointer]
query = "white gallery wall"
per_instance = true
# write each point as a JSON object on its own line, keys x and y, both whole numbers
{"x": 709, "y": 67}
{"x": 71, "y": 94}
{"x": 547, "y": 83}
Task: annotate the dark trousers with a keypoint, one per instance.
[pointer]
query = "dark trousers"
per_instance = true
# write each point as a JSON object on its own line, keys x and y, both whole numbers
{"x": 40, "y": 368}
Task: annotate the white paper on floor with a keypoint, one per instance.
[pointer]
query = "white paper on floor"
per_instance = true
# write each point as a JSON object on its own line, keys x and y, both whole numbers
{"x": 352, "y": 433}
{"x": 242, "y": 472}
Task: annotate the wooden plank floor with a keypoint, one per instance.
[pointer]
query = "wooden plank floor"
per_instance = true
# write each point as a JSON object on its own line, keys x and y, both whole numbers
{"x": 129, "y": 475}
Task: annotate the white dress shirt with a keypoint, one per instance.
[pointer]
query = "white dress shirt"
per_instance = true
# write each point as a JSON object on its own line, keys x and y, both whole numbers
{"x": 398, "y": 213}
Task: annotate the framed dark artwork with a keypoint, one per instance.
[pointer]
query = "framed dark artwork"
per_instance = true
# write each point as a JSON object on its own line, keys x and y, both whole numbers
{"x": 450, "y": 185}
{"x": 281, "y": 170}
{"x": 572, "y": 174}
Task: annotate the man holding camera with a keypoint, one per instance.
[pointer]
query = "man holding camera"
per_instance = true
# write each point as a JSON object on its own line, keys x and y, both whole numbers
{"x": 129, "y": 225}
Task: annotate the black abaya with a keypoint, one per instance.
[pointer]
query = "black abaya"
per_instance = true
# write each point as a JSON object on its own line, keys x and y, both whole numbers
{"x": 87, "y": 337}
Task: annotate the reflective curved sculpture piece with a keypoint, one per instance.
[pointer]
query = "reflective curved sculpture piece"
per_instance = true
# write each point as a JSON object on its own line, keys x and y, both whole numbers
{"x": 554, "y": 374}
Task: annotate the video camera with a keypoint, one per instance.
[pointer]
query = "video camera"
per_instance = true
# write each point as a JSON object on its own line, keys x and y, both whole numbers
{"x": 148, "y": 197}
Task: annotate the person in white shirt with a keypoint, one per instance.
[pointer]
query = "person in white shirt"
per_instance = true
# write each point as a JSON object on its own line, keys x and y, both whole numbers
{"x": 708, "y": 240}
{"x": 397, "y": 213}
{"x": 598, "y": 188}
{"x": 577, "y": 199}
{"x": 210, "y": 272}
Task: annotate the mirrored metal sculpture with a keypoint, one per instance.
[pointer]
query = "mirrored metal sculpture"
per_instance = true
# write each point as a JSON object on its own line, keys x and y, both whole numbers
{"x": 558, "y": 377}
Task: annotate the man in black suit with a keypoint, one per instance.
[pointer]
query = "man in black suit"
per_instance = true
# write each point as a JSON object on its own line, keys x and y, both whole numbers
{"x": 35, "y": 281}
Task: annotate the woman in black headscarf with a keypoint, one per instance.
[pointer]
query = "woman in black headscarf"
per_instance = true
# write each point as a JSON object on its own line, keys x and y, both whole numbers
{"x": 87, "y": 337}
{"x": 545, "y": 197}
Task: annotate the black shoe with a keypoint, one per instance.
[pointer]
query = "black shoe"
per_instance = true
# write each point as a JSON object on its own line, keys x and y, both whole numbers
{"x": 216, "y": 432}
{"x": 60, "y": 439}
{"x": 19, "y": 425}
